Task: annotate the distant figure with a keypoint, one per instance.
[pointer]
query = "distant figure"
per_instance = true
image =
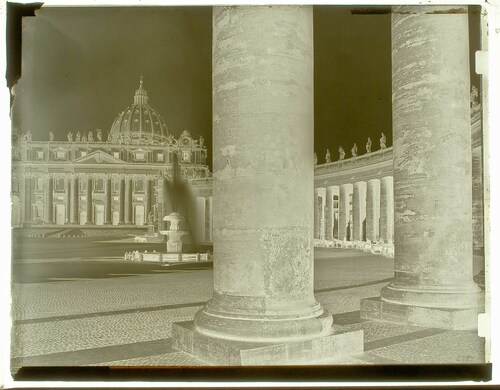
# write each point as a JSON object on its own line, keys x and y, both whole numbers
{"x": 315, "y": 159}
{"x": 383, "y": 141}
{"x": 51, "y": 136}
{"x": 369, "y": 145}
{"x": 341, "y": 153}
{"x": 77, "y": 137}
{"x": 202, "y": 140}
{"x": 354, "y": 150}
{"x": 328, "y": 157}
{"x": 99, "y": 135}
{"x": 91, "y": 137}
{"x": 70, "y": 136}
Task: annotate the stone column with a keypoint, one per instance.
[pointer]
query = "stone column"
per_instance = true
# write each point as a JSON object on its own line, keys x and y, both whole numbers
{"x": 329, "y": 211}
{"x": 69, "y": 199}
{"x": 90, "y": 205}
{"x": 387, "y": 209}
{"x": 319, "y": 213}
{"x": 149, "y": 198}
{"x": 359, "y": 210}
{"x": 128, "y": 200}
{"x": 107, "y": 195}
{"x": 373, "y": 210}
{"x": 209, "y": 215}
{"x": 344, "y": 209}
{"x": 433, "y": 283}
{"x": 263, "y": 191}
{"x": 49, "y": 202}
{"x": 74, "y": 200}
{"x": 199, "y": 222}
{"x": 122, "y": 201}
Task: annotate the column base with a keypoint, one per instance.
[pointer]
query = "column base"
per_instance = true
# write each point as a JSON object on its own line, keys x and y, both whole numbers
{"x": 453, "y": 319}
{"x": 216, "y": 351}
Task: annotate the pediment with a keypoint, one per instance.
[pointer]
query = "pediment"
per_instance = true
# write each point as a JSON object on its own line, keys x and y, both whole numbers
{"x": 98, "y": 157}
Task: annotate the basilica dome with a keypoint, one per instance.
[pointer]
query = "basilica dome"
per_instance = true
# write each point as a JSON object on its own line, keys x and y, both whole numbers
{"x": 139, "y": 122}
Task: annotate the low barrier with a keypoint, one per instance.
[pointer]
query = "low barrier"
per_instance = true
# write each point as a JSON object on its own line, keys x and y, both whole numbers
{"x": 167, "y": 257}
{"x": 378, "y": 248}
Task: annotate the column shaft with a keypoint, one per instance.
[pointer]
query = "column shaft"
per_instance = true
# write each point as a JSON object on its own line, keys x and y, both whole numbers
{"x": 122, "y": 202}
{"x": 90, "y": 203}
{"x": 373, "y": 210}
{"x": 108, "y": 199}
{"x": 74, "y": 200}
{"x": 432, "y": 159}
{"x": 319, "y": 213}
{"x": 344, "y": 210}
{"x": 128, "y": 200}
{"x": 49, "y": 200}
{"x": 359, "y": 210}
{"x": 331, "y": 192}
{"x": 263, "y": 176}
{"x": 387, "y": 209}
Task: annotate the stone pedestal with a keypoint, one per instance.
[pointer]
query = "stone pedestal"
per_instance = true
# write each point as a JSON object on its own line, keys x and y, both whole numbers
{"x": 432, "y": 167}
{"x": 263, "y": 219}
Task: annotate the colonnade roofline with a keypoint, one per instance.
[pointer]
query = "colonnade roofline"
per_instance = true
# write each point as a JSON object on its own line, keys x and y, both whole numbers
{"x": 353, "y": 162}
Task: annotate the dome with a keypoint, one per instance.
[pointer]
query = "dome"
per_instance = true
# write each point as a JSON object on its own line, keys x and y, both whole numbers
{"x": 139, "y": 122}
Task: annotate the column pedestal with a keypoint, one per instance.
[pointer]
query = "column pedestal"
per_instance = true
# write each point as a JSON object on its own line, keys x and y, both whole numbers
{"x": 433, "y": 283}
{"x": 263, "y": 197}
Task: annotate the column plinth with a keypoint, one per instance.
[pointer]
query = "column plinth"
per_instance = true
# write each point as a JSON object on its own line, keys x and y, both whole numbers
{"x": 432, "y": 171}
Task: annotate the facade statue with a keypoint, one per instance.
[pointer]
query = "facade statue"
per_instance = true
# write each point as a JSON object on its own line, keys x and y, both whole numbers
{"x": 51, "y": 136}
{"x": 99, "y": 135}
{"x": 150, "y": 217}
{"x": 28, "y": 136}
{"x": 328, "y": 158}
{"x": 315, "y": 159}
{"x": 70, "y": 136}
{"x": 202, "y": 140}
{"x": 383, "y": 140}
{"x": 354, "y": 150}
{"x": 369, "y": 145}
{"x": 84, "y": 138}
{"x": 170, "y": 139}
{"x": 77, "y": 137}
{"x": 91, "y": 137}
{"x": 341, "y": 153}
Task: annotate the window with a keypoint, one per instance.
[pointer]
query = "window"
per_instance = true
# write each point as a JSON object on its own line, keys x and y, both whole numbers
{"x": 60, "y": 184}
{"x": 335, "y": 201}
{"x": 60, "y": 154}
{"x": 39, "y": 184}
{"x": 159, "y": 157}
{"x": 116, "y": 154}
{"x": 116, "y": 185}
{"x": 83, "y": 184}
{"x": 99, "y": 185}
{"x": 82, "y": 154}
{"x": 39, "y": 154}
{"x": 186, "y": 156}
{"x": 139, "y": 185}
{"x": 140, "y": 157}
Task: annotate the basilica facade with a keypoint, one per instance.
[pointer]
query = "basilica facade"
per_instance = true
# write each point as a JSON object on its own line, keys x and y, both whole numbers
{"x": 85, "y": 180}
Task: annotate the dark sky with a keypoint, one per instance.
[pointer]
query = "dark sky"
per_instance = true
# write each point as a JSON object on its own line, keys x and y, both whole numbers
{"x": 81, "y": 67}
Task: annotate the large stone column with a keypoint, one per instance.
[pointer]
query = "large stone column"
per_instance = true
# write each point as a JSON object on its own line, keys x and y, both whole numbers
{"x": 90, "y": 203}
{"x": 433, "y": 283}
{"x": 319, "y": 213}
{"x": 108, "y": 199}
{"x": 122, "y": 201}
{"x": 74, "y": 200}
{"x": 128, "y": 200}
{"x": 209, "y": 216}
{"x": 263, "y": 192}
{"x": 69, "y": 199}
{"x": 344, "y": 210}
{"x": 386, "y": 209}
{"x": 331, "y": 192}
{"x": 373, "y": 210}
{"x": 49, "y": 202}
{"x": 358, "y": 209}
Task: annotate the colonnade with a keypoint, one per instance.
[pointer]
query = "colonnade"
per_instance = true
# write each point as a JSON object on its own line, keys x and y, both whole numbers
{"x": 360, "y": 211}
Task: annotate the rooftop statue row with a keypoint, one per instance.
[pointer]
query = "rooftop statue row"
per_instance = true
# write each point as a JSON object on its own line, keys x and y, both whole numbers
{"x": 354, "y": 150}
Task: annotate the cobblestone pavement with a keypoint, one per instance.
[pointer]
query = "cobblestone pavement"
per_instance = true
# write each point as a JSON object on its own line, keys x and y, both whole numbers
{"x": 105, "y": 312}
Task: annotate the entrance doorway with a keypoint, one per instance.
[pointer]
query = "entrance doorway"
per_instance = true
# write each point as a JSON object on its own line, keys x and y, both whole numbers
{"x": 60, "y": 214}
{"x": 139, "y": 215}
{"x": 99, "y": 214}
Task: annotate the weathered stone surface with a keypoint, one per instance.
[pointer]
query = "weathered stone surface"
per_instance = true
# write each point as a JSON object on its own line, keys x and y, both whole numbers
{"x": 215, "y": 351}
{"x": 432, "y": 161}
{"x": 344, "y": 210}
{"x": 359, "y": 210}
{"x": 263, "y": 177}
{"x": 373, "y": 210}
{"x": 457, "y": 319}
{"x": 386, "y": 209}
